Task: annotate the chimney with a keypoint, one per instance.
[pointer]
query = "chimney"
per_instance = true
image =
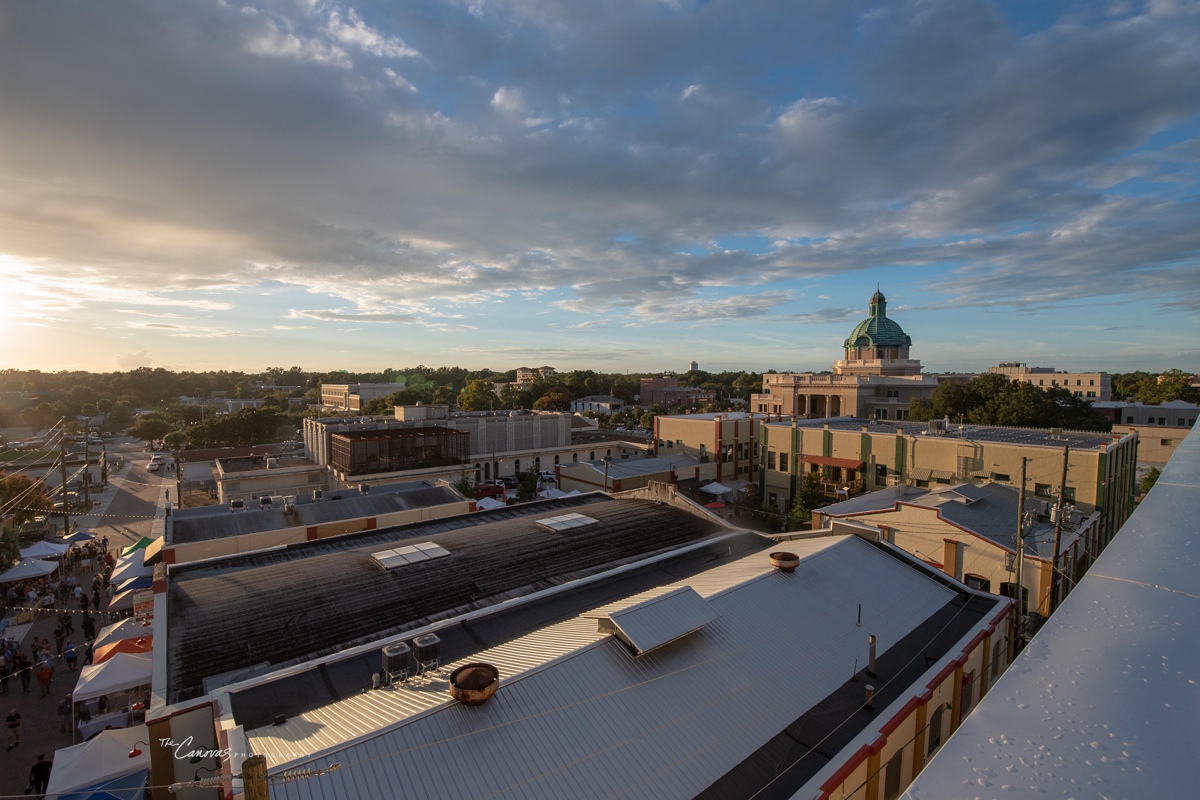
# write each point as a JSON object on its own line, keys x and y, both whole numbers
{"x": 871, "y": 665}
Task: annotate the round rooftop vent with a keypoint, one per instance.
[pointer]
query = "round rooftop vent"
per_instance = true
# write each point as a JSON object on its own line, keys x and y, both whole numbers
{"x": 784, "y": 561}
{"x": 473, "y": 684}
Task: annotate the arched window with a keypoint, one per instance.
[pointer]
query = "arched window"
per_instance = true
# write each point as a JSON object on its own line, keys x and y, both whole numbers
{"x": 592, "y": 456}
{"x": 517, "y": 467}
{"x": 575, "y": 458}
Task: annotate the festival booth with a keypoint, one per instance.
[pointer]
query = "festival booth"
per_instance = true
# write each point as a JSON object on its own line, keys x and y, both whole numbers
{"x": 103, "y": 767}
{"x": 716, "y": 489}
{"x": 143, "y": 644}
{"x": 113, "y": 684}
{"x": 125, "y": 629}
{"x": 79, "y": 537}
{"x": 488, "y": 503}
{"x": 124, "y": 599}
{"x": 141, "y": 582}
{"x": 28, "y": 569}
{"x": 140, "y": 544}
{"x": 131, "y": 566}
{"x": 45, "y": 549}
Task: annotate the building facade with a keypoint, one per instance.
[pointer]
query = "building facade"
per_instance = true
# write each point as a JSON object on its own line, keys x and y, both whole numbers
{"x": 866, "y": 456}
{"x": 353, "y": 396}
{"x": 598, "y": 403}
{"x": 1091, "y": 386}
{"x": 667, "y": 392}
{"x": 726, "y": 439}
{"x": 876, "y": 379}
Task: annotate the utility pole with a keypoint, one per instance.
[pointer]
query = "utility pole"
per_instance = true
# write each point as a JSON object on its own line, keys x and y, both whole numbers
{"x": 87, "y": 473}
{"x": 178, "y": 479}
{"x": 254, "y": 778}
{"x": 62, "y": 458}
{"x": 1058, "y": 523}
{"x": 1020, "y": 592}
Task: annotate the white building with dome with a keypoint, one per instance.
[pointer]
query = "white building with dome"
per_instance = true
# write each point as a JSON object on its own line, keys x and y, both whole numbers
{"x": 875, "y": 380}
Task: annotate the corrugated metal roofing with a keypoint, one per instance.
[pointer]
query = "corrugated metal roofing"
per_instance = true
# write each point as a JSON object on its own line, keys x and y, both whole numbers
{"x": 599, "y": 722}
{"x": 319, "y": 597}
{"x": 658, "y": 620}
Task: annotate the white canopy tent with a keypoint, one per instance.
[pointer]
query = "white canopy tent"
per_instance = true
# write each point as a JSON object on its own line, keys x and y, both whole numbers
{"x": 45, "y": 549}
{"x": 29, "y": 568}
{"x": 122, "y": 671}
{"x": 488, "y": 503}
{"x": 128, "y": 628}
{"x": 123, "y": 601}
{"x": 101, "y": 759}
{"x": 715, "y": 488}
{"x": 132, "y": 566}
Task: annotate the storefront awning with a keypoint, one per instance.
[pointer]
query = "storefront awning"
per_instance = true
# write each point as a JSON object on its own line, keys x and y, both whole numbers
{"x": 830, "y": 461}
{"x": 926, "y": 474}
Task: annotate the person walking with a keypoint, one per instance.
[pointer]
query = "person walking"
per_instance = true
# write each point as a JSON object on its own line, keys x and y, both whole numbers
{"x": 22, "y": 664}
{"x": 13, "y": 720}
{"x": 45, "y": 673}
{"x": 89, "y": 626}
{"x": 64, "y": 715}
{"x": 71, "y": 655}
{"x": 39, "y": 775}
{"x": 96, "y": 598}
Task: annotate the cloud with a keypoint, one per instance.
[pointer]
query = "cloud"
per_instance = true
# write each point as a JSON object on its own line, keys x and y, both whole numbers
{"x": 130, "y": 361}
{"x": 827, "y": 315}
{"x": 594, "y": 151}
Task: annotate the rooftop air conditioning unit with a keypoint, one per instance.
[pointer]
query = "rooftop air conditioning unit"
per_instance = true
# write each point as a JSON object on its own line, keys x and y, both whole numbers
{"x": 289, "y": 503}
{"x": 1055, "y": 432}
{"x": 272, "y": 463}
{"x": 237, "y": 505}
{"x": 264, "y": 502}
{"x": 317, "y": 494}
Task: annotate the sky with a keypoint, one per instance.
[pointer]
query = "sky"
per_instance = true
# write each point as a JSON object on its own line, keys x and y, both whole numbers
{"x": 626, "y": 185}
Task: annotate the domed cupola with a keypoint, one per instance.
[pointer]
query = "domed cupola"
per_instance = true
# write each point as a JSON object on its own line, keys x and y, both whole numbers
{"x": 877, "y": 331}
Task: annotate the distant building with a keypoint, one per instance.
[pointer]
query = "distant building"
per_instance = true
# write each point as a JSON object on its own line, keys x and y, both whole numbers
{"x": 527, "y": 375}
{"x": 877, "y": 379}
{"x": 970, "y": 533}
{"x": 623, "y": 474}
{"x": 693, "y": 367}
{"x": 248, "y": 477}
{"x": 725, "y": 439}
{"x": 599, "y": 403}
{"x": 863, "y": 456}
{"x": 353, "y": 396}
{"x": 667, "y": 393}
{"x": 1175, "y": 414}
{"x": 282, "y": 517}
{"x": 1090, "y": 386}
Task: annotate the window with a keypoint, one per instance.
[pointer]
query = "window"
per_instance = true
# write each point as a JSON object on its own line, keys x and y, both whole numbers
{"x": 1162, "y": 420}
{"x": 1041, "y": 382}
{"x": 1129, "y": 420}
{"x": 1042, "y": 490}
{"x": 1091, "y": 394}
{"x": 998, "y": 649}
{"x": 556, "y": 461}
{"x": 891, "y": 776}
{"x": 773, "y": 499}
{"x": 881, "y": 474}
{"x": 935, "y": 731}
{"x": 1001, "y": 476}
{"x": 923, "y": 484}
{"x": 1010, "y": 590}
{"x": 1091, "y": 383}
{"x": 977, "y": 582}
{"x": 517, "y": 467}
{"x": 1069, "y": 494}
{"x": 783, "y": 462}
{"x": 1079, "y": 383}
{"x": 574, "y": 458}
{"x": 770, "y": 459}
{"x": 881, "y": 413}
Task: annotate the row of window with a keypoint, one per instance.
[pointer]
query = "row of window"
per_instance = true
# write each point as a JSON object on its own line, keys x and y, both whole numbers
{"x": 1078, "y": 382}
{"x": 1181, "y": 422}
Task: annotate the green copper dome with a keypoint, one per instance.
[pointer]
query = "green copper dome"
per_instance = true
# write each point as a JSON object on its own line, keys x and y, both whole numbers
{"x": 877, "y": 330}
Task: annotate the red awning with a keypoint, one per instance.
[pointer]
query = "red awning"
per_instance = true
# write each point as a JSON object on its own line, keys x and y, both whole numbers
{"x": 829, "y": 461}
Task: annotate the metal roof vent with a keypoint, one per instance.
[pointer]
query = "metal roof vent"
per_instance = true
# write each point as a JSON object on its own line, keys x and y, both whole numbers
{"x": 657, "y": 621}
{"x": 784, "y": 561}
{"x": 473, "y": 684}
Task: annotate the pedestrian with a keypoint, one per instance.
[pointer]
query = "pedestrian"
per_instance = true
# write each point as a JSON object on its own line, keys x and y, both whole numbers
{"x": 39, "y": 775}
{"x": 5, "y": 667}
{"x": 71, "y": 655}
{"x": 13, "y": 720}
{"x": 21, "y": 665}
{"x": 96, "y": 598}
{"x": 83, "y": 603}
{"x": 60, "y": 633}
{"x": 88, "y": 626}
{"x": 45, "y": 674}
{"x": 64, "y": 715}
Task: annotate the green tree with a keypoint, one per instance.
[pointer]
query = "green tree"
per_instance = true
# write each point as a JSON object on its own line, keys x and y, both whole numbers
{"x": 149, "y": 428}
{"x": 556, "y": 399}
{"x": 175, "y": 440}
{"x": 464, "y": 485}
{"x": 527, "y": 488}
{"x": 24, "y": 497}
{"x": 1150, "y": 479}
{"x": 478, "y": 395}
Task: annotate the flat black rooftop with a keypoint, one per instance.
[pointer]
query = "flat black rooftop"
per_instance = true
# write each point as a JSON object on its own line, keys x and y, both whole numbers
{"x": 218, "y": 522}
{"x": 316, "y": 598}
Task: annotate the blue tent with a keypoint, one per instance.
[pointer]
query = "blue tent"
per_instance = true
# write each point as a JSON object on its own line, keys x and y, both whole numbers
{"x": 79, "y": 536}
{"x": 126, "y": 787}
{"x": 142, "y": 582}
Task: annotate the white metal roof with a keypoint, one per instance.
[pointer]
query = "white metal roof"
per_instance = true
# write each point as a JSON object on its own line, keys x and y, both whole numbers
{"x": 596, "y": 721}
{"x": 658, "y": 620}
{"x": 1104, "y": 700}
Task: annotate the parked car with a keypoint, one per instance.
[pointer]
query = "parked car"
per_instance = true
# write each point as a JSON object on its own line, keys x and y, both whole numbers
{"x": 547, "y": 477}
{"x": 511, "y": 481}
{"x": 154, "y": 466}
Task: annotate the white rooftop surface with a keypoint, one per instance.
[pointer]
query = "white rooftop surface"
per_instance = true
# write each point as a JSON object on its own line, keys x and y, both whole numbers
{"x": 578, "y": 715}
{"x": 1105, "y": 701}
